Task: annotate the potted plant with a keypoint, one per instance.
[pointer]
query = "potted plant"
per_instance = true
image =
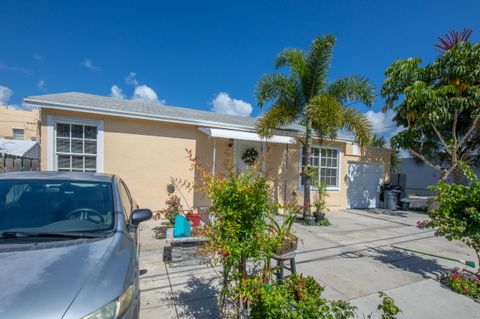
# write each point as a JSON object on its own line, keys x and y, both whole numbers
{"x": 173, "y": 208}
{"x": 288, "y": 242}
{"x": 320, "y": 202}
{"x": 160, "y": 231}
{"x": 194, "y": 218}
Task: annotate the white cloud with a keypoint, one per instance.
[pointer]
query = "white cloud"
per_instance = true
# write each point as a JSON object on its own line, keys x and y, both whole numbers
{"x": 41, "y": 84}
{"x": 131, "y": 79}
{"x": 224, "y": 104}
{"x": 141, "y": 92}
{"x": 383, "y": 123}
{"x": 5, "y": 94}
{"x": 147, "y": 94}
{"x": 116, "y": 92}
{"x": 89, "y": 65}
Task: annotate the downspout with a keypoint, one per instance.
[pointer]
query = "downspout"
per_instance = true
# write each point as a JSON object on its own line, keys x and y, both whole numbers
{"x": 214, "y": 155}
{"x": 286, "y": 179}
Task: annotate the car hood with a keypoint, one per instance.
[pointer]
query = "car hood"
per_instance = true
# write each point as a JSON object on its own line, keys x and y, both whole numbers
{"x": 42, "y": 282}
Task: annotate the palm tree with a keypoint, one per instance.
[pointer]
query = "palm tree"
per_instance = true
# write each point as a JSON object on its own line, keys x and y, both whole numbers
{"x": 380, "y": 141}
{"x": 305, "y": 96}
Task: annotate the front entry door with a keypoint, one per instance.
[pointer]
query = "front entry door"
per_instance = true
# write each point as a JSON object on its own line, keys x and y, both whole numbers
{"x": 240, "y": 148}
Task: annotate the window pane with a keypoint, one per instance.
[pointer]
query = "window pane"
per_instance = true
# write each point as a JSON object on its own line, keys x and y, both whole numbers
{"x": 77, "y": 162}
{"x": 91, "y": 132}
{"x": 334, "y": 153}
{"x": 63, "y": 130}
{"x": 334, "y": 181}
{"x": 90, "y": 162}
{"x": 63, "y": 145}
{"x": 77, "y": 131}
{"x": 77, "y": 146}
{"x": 63, "y": 161}
{"x": 18, "y": 134}
{"x": 90, "y": 147}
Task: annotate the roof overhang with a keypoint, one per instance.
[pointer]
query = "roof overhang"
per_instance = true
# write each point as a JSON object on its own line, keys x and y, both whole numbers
{"x": 246, "y": 136}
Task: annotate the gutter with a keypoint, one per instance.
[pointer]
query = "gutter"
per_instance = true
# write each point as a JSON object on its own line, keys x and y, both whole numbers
{"x": 165, "y": 119}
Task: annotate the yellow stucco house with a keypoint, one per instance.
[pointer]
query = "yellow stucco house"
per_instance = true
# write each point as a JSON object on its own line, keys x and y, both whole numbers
{"x": 18, "y": 124}
{"x": 145, "y": 144}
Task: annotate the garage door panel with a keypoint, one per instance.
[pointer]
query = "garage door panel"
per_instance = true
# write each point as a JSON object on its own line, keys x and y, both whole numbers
{"x": 364, "y": 181}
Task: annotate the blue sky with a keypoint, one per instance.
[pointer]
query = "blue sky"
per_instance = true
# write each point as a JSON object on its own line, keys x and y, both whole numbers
{"x": 186, "y": 53}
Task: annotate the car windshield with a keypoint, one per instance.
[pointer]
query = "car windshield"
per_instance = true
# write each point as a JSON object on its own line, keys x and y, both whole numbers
{"x": 47, "y": 206}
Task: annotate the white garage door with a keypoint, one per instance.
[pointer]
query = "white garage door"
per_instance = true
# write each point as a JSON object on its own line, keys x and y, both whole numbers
{"x": 364, "y": 182}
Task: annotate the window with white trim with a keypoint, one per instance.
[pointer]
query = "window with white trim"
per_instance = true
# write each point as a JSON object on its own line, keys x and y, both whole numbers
{"x": 18, "y": 133}
{"x": 325, "y": 162}
{"x": 76, "y": 147}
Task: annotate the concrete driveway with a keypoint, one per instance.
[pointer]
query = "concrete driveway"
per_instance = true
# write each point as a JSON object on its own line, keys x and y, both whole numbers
{"x": 353, "y": 259}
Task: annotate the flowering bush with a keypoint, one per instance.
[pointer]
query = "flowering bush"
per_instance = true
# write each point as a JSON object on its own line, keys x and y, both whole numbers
{"x": 173, "y": 207}
{"x": 463, "y": 283}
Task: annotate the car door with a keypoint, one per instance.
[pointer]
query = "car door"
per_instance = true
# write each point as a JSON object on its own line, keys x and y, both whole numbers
{"x": 129, "y": 205}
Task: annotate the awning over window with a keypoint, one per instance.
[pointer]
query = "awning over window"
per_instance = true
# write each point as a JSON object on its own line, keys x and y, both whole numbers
{"x": 246, "y": 136}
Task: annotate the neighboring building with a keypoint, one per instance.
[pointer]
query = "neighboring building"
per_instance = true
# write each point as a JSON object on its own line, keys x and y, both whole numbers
{"x": 18, "y": 124}
{"x": 19, "y": 149}
{"x": 145, "y": 144}
{"x": 420, "y": 176}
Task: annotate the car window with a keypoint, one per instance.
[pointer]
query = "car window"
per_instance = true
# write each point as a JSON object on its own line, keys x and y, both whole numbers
{"x": 55, "y": 206}
{"x": 126, "y": 200}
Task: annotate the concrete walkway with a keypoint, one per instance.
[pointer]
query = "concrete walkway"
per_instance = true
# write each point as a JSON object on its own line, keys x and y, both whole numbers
{"x": 353, "y": 259}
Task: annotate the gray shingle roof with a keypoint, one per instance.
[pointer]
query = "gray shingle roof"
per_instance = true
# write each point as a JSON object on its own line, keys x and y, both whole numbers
{"x": 83, "y": 102}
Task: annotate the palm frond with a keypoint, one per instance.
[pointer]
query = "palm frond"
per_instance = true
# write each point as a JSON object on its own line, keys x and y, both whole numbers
{"x": 356, "y": 122}
{"x": 395, "y": 162}
{"x": 277, "y": 116}
{"x": 325, "y": 112}
{"x": 355, "y": 88}
{"x": 378, "y": 141}
{"x": 273, "y": 87}
{"x": 318, "y": 62}
{"x": 294, "y": 59}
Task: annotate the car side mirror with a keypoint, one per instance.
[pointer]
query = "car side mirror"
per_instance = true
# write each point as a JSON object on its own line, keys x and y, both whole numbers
{"x": 140, "y": 215}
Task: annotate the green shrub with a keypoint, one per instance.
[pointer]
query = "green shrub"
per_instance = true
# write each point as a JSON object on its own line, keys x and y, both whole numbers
{"x": 458, "y": 214}
{"x": 388, "y": 307}
{"x": 299, "y": 297}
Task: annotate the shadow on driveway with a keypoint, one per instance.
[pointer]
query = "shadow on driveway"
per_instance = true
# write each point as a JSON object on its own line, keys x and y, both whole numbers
{"x": 198, "y": 300}
{"x": 427, "y": 268}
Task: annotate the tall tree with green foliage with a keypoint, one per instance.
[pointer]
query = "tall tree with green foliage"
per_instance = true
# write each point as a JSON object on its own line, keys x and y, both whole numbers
{"x": 438, "y": 104}
{"x": 304, "y": 95}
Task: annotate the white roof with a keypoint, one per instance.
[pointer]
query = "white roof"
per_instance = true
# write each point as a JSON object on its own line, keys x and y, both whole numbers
{"x": 246, "y": 136}
{"x": 30, "y": 149}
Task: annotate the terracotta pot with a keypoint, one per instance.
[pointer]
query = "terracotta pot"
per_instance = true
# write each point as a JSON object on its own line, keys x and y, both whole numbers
{"x": 194, "y": 219}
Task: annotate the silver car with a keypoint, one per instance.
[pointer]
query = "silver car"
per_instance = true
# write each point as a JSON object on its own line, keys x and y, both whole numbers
{"x": 68, "y": 246}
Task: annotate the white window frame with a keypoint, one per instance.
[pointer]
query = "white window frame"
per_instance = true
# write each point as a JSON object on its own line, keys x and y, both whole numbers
{"x": 338, "y": 148}
{"x": 51, "y": 139}
{"x": 18, "y": 129}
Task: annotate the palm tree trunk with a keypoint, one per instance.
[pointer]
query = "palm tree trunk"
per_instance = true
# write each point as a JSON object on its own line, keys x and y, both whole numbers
{"x": 306, "y": 161}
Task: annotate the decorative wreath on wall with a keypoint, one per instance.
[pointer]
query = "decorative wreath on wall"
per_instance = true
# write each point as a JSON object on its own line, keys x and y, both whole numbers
{"x": 250, "y": 156}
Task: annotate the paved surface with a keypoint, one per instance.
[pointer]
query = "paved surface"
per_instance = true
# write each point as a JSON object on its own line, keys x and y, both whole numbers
{"x": 353, "y": 259}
